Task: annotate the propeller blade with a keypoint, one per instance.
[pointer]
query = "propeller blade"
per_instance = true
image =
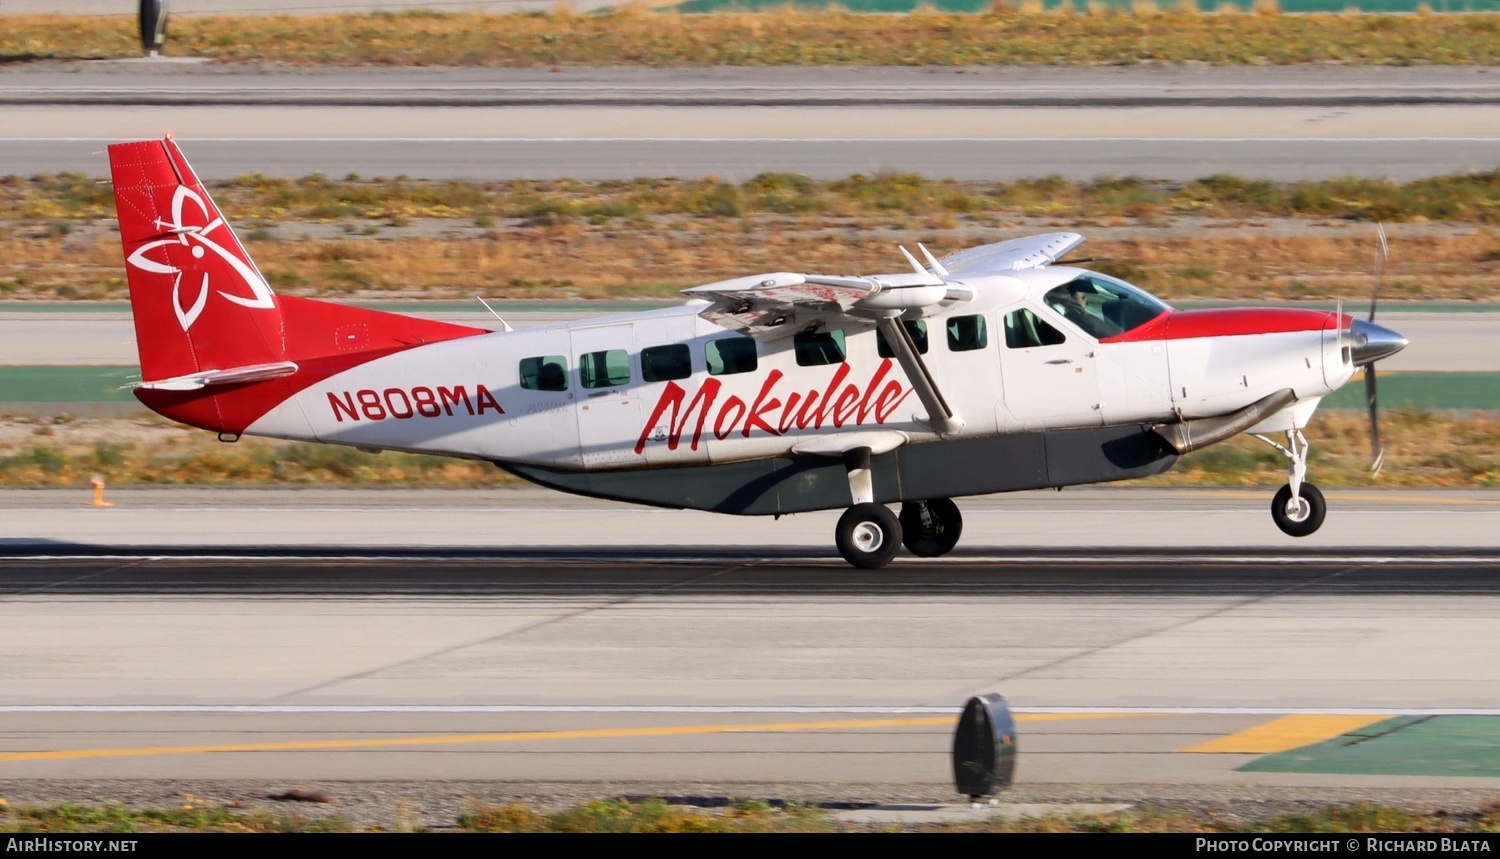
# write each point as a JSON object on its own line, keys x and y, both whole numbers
{"x": 1338, "y": 331}
{"x": 1379, "y": 268}
{"x": 1370, "y": 400}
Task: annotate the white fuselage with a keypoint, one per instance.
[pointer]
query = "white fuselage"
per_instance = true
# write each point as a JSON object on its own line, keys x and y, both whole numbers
{"x": 466, "y": 397}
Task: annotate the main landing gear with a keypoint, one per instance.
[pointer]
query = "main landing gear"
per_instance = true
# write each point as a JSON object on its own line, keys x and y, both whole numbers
{"x": 931, "y": 528}
{"x": 869, "y": 534}
{"x": 1298, "y": 508}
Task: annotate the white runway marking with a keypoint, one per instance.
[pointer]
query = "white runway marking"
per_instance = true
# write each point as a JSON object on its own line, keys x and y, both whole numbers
{"x": 1237, "y": 508}
{"x": 831, "y": 140}
{"x": 489, "y": 553}
{"x": 668, "y": 708}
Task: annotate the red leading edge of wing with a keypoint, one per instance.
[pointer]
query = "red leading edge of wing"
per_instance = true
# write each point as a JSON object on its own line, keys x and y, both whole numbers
{"x": 1230, "y": 322}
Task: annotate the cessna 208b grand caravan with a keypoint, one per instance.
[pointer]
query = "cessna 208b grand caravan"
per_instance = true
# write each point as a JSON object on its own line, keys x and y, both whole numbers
{"x": 994, "y": 369}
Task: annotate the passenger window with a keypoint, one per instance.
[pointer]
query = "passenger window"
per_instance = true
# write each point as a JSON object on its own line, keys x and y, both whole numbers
{"x": 916, "y": 328}
{"x": 729, "y": 356}
{"x": 544, "y": 373}
{"x": 1024, "y": 329}
{"x": 967, "y": 333}
{"x": 665, "y": 363}
{"x": 819, "y": 348}
{"x": 607, "y": 369}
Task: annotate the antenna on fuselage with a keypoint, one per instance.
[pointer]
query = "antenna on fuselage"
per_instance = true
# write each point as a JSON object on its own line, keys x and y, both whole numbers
{"x": 504, "y": 326}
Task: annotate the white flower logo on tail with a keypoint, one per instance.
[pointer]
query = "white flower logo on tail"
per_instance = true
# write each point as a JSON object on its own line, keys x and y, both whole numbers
{"x": 197, "y": 236}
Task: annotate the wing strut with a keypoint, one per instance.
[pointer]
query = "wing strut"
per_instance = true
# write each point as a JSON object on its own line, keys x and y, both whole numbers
{"x": 941, "y": 418}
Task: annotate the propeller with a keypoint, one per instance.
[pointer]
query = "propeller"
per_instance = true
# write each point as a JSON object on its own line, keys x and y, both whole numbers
{"x": 1372, "y": 342}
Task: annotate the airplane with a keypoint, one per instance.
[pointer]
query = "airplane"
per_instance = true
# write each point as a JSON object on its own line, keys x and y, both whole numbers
{"x": 994, "y": 369}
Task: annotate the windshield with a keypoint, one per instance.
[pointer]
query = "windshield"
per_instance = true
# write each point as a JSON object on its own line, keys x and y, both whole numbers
{"x": 1102, "y": 306}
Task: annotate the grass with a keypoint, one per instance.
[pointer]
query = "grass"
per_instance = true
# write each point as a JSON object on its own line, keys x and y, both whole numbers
{"x": 754, "y": 815}
{"x": 192, "y": 816}
{"x": 1423, "y": 449}
{"x": 1217, "y": 237}
{"x": 650, "y": 815}
{"x": 167, "y": 455}
{"x": 48, "y": 202}
{"x": 638, "y": 36}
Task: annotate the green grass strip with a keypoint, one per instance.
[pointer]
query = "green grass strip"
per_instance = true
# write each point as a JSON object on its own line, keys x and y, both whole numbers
{"x": 1419, "y": 391}
{"x": 1423, "y": 391}
{"x": 1408, "y": 745}
{"x": 897, "y": 6}
{"x": 67, "y": 384}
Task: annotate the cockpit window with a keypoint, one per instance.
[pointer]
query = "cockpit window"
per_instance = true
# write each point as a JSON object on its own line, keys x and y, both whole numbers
{"x": 1102, "y": 306}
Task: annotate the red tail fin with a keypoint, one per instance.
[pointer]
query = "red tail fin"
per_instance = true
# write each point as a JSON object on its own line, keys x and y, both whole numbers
{"x": 218, "y": 348}
{"x": 199, "y": 303}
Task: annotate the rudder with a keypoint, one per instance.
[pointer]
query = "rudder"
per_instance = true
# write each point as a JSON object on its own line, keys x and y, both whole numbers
{"x": 199, "y": 302}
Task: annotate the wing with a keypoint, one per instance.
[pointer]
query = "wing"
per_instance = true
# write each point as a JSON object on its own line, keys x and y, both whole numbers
{"x": 1009, "y": 256}
{"x": 776, "y": 305}
{"x": 771, "y": 306}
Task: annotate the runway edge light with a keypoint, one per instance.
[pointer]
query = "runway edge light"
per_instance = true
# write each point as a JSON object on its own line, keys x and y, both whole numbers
{"x": 984, "y": 747}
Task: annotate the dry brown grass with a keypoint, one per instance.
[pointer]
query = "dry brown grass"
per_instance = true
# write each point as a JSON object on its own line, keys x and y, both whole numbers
{"x": 1178, "y": 258}
{"x": 1423, "y": 449}
{"x": 1219, "y": 237}
{"x": 634, "y": 35}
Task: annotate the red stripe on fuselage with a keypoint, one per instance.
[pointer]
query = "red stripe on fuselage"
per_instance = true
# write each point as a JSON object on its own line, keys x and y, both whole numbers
{"x": 1229, "y": 322}
{"x": 324, "y": 339}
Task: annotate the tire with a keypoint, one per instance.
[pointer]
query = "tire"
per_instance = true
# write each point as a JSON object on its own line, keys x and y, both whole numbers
{"x": 938, "y": 535}
{"x": 868, "y": 536}
{"x": 1303, "y": 521}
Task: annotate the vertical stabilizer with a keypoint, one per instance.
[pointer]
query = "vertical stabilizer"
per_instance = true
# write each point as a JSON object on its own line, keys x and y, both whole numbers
{"x": 199, "y": 302}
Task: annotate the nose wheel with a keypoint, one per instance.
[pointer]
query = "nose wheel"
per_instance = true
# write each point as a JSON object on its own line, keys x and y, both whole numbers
{"x": 1298, "y": 508}
{"x": 1300, "y": 515}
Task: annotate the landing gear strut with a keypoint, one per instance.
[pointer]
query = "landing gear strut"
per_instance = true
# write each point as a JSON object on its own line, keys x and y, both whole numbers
{"x": 1298, "y": 508}
{"x": 868, "y": 534}
{"x": 931, "y": 528}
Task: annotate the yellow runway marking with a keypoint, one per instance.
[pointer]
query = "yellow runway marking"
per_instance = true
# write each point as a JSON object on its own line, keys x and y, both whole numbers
{"x": 530, "y": 736}
{"x": 1288, "y": 732}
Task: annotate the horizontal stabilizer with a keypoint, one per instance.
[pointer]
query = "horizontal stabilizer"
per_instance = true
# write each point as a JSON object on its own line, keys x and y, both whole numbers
{"x": 236, "y": 376}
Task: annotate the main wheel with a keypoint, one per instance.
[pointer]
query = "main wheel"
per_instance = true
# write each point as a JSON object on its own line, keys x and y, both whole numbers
{"x": 868, "y": 536}
{"x": 1302, "y": 517}
{"x": 931, "y": 528}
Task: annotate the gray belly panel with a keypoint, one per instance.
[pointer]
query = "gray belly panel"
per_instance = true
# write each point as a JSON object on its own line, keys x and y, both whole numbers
{"x": 941, "y": 469}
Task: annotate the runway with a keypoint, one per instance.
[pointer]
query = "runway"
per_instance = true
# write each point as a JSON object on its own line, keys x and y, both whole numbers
{"x": 991, "y": 124}
{"x": 520, "y": 637}
{"x": 210, "y": 636}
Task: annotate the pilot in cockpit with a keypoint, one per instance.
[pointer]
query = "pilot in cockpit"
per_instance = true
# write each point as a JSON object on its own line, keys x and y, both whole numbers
{"x": 1077, "y": 308}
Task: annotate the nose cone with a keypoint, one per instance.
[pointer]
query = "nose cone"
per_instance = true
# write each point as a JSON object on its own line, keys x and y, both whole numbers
{"x": 1370, "y": 342}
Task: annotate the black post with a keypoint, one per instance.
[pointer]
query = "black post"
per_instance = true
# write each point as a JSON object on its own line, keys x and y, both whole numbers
{"x": 153, "y": 26}
{"x": 984, "y": 747}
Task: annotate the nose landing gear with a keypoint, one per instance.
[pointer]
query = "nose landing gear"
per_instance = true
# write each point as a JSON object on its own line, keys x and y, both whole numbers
{"x": 1298, "y": 508}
